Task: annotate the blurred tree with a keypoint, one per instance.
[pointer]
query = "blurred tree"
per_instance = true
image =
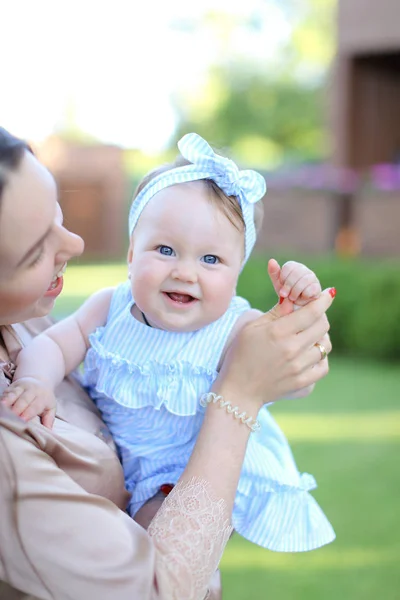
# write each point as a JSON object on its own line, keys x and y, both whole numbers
{"x": 311, "y": 46}
{"x": 263, "y": 121}
{"x": 271, "y": 112}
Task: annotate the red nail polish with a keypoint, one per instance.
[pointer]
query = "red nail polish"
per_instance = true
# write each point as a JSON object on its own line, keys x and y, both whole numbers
{"x": 332, "y": 292}
{"x": 281, "y": 299}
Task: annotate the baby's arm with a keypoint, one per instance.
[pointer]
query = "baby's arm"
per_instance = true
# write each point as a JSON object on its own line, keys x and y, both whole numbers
{"x": 44, "y": 363}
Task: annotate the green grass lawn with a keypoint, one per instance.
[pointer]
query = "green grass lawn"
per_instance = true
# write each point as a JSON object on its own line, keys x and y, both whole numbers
{"x": 347, "y": 434}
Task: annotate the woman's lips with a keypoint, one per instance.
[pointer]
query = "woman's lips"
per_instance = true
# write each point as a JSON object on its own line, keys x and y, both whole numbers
{"x": 55, "y": 291}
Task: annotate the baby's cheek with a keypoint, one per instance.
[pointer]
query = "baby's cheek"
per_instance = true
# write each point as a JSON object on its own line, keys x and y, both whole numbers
{"x": 142, "y": 285}
{"x": 220, "y": 294}
{"x": 146, "y": 275}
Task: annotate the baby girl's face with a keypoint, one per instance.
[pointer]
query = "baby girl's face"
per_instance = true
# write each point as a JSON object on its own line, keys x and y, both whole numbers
{"x": 184, "y": 259}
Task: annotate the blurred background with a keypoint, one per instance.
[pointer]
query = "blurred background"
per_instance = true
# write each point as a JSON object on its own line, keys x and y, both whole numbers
{"x": 307, "y": 92}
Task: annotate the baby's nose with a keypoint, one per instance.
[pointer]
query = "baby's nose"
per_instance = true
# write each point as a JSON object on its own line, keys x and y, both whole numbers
{"x": 185, "y": 271}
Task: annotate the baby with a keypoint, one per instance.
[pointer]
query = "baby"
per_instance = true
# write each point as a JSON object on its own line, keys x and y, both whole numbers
{"x": 153, "y": 346}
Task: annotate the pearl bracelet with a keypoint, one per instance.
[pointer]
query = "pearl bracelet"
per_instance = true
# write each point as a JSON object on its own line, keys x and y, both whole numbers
{"x": 210, "y": 397}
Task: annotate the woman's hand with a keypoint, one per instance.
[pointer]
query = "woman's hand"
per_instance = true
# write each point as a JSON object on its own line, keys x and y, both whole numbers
{"x": 323, "y": 366}
{"x": 276, "y": 354}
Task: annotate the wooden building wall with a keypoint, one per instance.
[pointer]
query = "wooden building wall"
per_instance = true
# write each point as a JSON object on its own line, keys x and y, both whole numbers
{"x": 366, "y": 83}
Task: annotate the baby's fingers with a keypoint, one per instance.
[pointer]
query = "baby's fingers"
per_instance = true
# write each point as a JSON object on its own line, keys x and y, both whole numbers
{"x": 22, "y": 402}
{"x": 306, "y": 287}
{"x": 34, "y": 408}
{"x": 291, "y": 274}
{"x": 310, "y": 293}
{"x": 10, "y": 395}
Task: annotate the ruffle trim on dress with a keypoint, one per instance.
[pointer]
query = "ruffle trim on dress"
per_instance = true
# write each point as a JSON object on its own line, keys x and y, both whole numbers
{"x": 150, "y": 384}
{"x": 282, "y": 518}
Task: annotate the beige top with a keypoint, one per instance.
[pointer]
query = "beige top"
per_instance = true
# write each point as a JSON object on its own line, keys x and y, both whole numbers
{"x": 64, "y": 534}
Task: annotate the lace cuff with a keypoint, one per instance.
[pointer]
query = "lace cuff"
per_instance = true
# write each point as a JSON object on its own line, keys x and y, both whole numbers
{"x": 190, "y": 532}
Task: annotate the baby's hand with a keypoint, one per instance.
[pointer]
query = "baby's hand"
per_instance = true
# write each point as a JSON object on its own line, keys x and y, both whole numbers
{"x": 294, "y": 281}
{"x": 29, "y": 397}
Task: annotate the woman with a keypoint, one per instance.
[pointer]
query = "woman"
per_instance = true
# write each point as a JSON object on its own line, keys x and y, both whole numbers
{"x": 63, "y": 530}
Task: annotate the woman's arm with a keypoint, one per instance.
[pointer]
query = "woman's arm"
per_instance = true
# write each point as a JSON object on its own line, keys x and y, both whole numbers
{"x": 268, "y": 358}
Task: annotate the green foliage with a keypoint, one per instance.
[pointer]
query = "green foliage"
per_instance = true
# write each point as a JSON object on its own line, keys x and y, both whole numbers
{"x": 312, "y": 42}
{"x": 267, "y": 110}
{"x": 289, "y": 116}
{"x": 365, "y": 317}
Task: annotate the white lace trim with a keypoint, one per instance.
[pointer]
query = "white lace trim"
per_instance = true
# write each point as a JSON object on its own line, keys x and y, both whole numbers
{"x": 190, "y": 532}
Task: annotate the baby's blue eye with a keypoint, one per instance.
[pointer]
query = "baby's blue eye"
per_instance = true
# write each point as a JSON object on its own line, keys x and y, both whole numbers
{"x": 210, "y": 259}
{"x": 165, "y": 250}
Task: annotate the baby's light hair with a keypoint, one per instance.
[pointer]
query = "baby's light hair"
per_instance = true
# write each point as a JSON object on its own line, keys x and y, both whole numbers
{"x": 229, "y": 205}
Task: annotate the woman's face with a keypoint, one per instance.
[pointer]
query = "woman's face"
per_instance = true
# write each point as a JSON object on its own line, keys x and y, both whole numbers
{"x": 34, "y": 245}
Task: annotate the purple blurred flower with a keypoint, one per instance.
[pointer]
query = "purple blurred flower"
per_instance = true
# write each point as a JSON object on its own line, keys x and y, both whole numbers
{"x": 323, "y": 177}
{"x": 385, "y": 177}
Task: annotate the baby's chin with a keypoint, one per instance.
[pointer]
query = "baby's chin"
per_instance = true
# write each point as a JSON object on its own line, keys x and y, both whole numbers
{"x": 181, "y": 325}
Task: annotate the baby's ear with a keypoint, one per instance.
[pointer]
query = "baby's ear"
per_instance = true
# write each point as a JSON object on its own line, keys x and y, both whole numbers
{"x": 130, "y": 252}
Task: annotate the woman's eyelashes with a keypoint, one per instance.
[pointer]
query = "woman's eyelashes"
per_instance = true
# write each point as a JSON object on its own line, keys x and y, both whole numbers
{"x": 38, "y": 258}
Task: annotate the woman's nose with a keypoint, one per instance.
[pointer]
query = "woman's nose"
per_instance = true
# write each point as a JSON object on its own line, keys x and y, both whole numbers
{"x": 71, "y": 245}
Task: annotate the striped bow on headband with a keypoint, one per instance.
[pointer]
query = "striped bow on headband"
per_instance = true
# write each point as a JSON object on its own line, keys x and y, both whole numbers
{"x": 248, "y": 186}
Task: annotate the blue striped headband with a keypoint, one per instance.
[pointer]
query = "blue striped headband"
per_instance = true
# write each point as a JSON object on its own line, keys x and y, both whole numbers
{"x": 248, "y": 186}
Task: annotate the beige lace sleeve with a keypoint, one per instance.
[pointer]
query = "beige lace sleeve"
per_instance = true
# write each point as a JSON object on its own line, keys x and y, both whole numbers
{"x": 190, "y": 532}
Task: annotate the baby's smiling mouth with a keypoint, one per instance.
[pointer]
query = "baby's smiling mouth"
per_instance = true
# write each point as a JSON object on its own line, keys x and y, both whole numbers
{"x": 180, "y": 298}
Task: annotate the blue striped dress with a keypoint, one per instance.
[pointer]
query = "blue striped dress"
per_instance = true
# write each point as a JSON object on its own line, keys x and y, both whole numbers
{"x": 147, "y": 383}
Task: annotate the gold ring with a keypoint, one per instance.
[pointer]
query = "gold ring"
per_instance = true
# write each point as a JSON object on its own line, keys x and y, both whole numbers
{"x": 322, "y": 349}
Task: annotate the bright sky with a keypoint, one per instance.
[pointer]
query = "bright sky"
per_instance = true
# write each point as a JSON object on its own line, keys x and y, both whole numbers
{"x": 114, "y": 64}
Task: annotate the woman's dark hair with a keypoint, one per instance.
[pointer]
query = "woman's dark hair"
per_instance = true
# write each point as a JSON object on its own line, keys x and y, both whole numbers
{"x": 12, "y": 151}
